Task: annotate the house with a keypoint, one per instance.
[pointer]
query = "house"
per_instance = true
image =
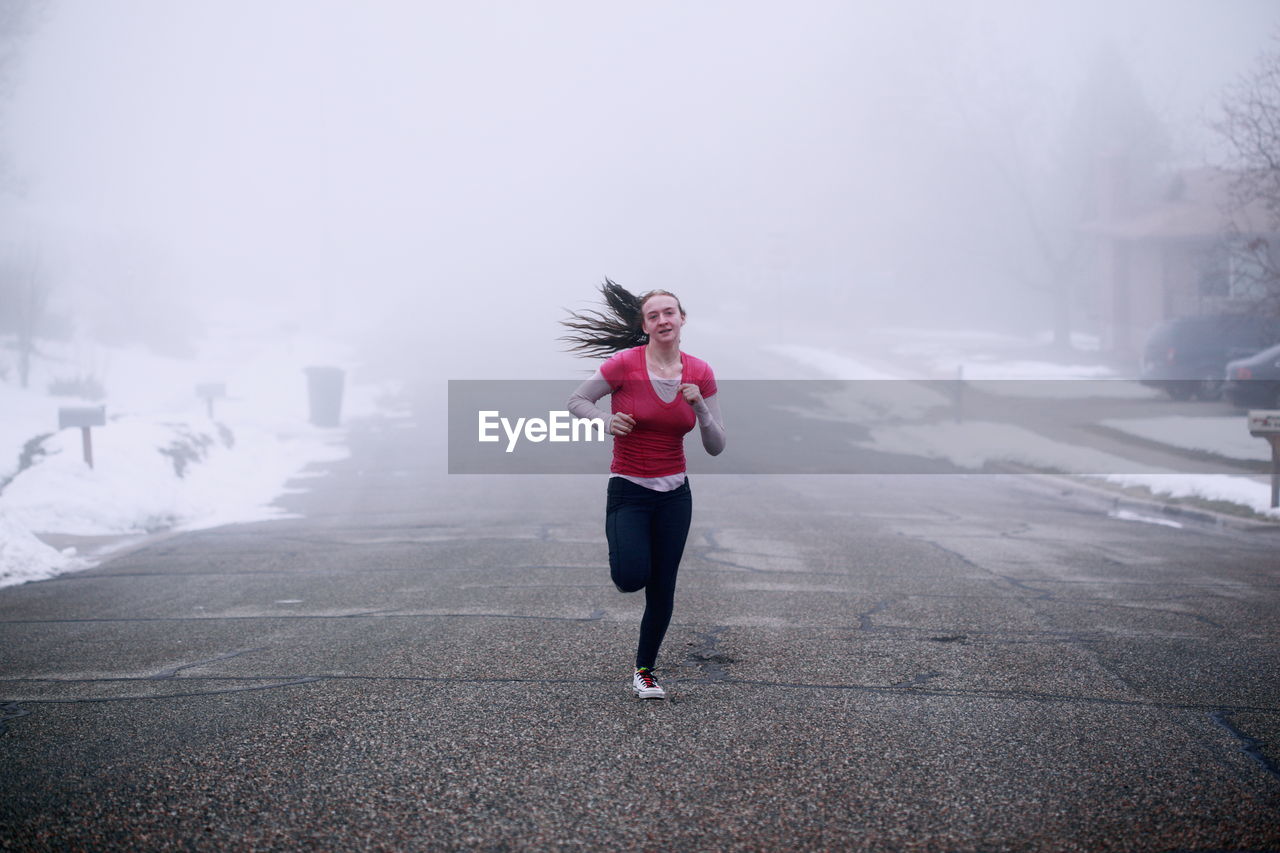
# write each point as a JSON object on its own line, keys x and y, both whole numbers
{"x": 1184, "y": 253}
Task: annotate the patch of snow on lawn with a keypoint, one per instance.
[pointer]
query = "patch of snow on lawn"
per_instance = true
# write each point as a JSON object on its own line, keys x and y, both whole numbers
{"x": 1213, "y": 487}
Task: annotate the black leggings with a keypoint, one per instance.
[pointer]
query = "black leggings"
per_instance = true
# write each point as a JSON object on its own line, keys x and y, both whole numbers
{"x": 646, "y": 530}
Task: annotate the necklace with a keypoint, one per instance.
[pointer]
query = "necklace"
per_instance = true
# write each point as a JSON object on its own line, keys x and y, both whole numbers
{"x": 661, "y": 367}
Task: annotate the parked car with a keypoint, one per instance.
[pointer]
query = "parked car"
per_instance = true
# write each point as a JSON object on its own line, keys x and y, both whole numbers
{"x": 1254, "y": 382}
{"x": 1187, "y": 357}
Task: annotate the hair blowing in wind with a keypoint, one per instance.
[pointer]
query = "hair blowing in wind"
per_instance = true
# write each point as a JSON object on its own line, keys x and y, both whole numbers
{"x": 601, "y": 334}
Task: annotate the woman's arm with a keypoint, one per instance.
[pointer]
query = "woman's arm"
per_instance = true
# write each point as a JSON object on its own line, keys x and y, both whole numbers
{"x": 710, "y": 424}
{"x": 582, "y": 402}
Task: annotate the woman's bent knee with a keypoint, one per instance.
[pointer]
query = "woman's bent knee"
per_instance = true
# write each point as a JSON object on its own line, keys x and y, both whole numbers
{"x": 629, "y": 578}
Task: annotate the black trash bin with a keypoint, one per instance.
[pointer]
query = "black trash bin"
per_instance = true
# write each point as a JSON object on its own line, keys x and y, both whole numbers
{"x": 324, "y": 386}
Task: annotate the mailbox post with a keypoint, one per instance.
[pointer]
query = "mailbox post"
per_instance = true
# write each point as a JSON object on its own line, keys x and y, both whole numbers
{"x": 83, "y": 417}
{"x": 210, "y": 391}
{"x": 1265, "y": 423}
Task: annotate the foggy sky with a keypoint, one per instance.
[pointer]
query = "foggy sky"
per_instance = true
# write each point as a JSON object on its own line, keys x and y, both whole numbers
{"x": 465, "y": 171}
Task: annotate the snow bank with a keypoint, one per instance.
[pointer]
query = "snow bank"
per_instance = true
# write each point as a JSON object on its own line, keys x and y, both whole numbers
{"x": 160, "y": 462}
{"x": 1214, "y": 487}
{"x": 23, "y": 557}
{"x": 157, "y": 474}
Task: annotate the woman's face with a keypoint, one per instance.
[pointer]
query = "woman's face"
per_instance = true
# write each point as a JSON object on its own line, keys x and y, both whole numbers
{"x": 662, "y": 319}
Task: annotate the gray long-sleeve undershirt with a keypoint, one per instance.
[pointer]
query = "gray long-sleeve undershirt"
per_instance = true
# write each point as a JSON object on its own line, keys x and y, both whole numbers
{"x": 582, "y": 404}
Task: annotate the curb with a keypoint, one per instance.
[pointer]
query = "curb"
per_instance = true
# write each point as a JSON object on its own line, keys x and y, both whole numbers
{"x": 1119, "y": 499}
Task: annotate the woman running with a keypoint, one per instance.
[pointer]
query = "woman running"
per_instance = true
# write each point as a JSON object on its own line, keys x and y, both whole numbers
{"x": 657, "y": 394}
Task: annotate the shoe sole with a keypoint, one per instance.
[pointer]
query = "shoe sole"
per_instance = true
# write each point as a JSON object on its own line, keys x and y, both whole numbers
{"x": 648, "y": 695}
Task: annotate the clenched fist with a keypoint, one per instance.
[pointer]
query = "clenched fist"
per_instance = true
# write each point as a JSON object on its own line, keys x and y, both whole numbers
{"x": 622, "y": 424}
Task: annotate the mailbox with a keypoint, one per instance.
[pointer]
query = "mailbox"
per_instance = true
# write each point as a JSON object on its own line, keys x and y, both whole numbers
{"x": 82, "y": 416}
{"x": 1265, "y": 423}
{"x": 210, "y": 391}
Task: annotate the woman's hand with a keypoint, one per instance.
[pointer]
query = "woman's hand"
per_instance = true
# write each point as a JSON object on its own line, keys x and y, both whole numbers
{"x": 621, "y": 424}
{"x": 692, "y": 394}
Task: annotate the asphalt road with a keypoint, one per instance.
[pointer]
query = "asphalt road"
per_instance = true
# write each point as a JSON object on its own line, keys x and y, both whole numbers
{"x": 935, "y": 662}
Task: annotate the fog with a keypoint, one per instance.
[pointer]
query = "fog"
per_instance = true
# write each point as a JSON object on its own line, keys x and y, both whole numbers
{"x": 448, "y": 178}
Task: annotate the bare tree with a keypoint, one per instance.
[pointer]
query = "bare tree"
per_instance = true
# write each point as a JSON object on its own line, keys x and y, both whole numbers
{"x": 24, "y": 299}
{"x": 24, "y": 292}
{"x": 1250, "y": 126}
{"x": 1060, "y": 167}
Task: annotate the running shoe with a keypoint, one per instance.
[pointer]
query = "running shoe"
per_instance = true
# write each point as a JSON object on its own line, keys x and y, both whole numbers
{"x": 645, "y": 686}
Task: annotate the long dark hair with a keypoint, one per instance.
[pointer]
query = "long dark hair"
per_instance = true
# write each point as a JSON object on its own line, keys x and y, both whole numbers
{"x": 601, "y": 334}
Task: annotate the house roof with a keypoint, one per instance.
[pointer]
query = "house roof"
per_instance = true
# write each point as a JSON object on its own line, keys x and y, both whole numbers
{"x": 1195, "y": 206}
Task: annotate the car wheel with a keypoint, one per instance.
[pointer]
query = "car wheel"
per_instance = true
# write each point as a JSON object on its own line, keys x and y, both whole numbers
{"x": 1209, "y": 389}
{"x": 1179, "y": 390}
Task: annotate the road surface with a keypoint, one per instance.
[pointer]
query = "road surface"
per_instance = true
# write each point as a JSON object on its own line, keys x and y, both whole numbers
{"x": 898, "y": 661}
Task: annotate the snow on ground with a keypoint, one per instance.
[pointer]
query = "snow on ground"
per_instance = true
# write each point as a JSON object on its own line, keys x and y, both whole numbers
{"x": 832, "y": 365}
{"x": 975, "y": 444}
{"x": 878, "y": 395}
{"x": 986, "y": 359}
{"x": 945, "y": 349}
{"x": 23, "y": 557}
{"x": 998, "y": 364}
{"x": 157, "y": 474}
{"x": 1128, "y": 515}
{"x": 1211, "y": 487}
{"x": 160, "y": 462}
{"x": 990, "y": 362}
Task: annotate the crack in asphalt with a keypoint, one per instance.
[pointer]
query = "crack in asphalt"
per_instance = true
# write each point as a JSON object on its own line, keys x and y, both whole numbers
{"x": 864, "y": 618}
{"x": 173, "y": 671}
{"x": 594, "y": 616}
{"x": 10, "y": 711}
{"x": 944, "y": 549}
{"x": 298, "y": 573}
{"x": 704, "y": 552}
{"x": 1250, "y": 746}
{"x": 72, "y": 700}
{"x": 706, "y": 656}
{"x": 1041, "y": 594}
{"x": 1014, "y": 695}
{"x": 1196, "y": 616}
{"x": 907, "y": 688}
{"x": 918, "y": 680}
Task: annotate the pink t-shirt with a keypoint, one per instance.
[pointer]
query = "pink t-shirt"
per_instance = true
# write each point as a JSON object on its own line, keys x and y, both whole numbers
{"x": 655, "y": 448}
